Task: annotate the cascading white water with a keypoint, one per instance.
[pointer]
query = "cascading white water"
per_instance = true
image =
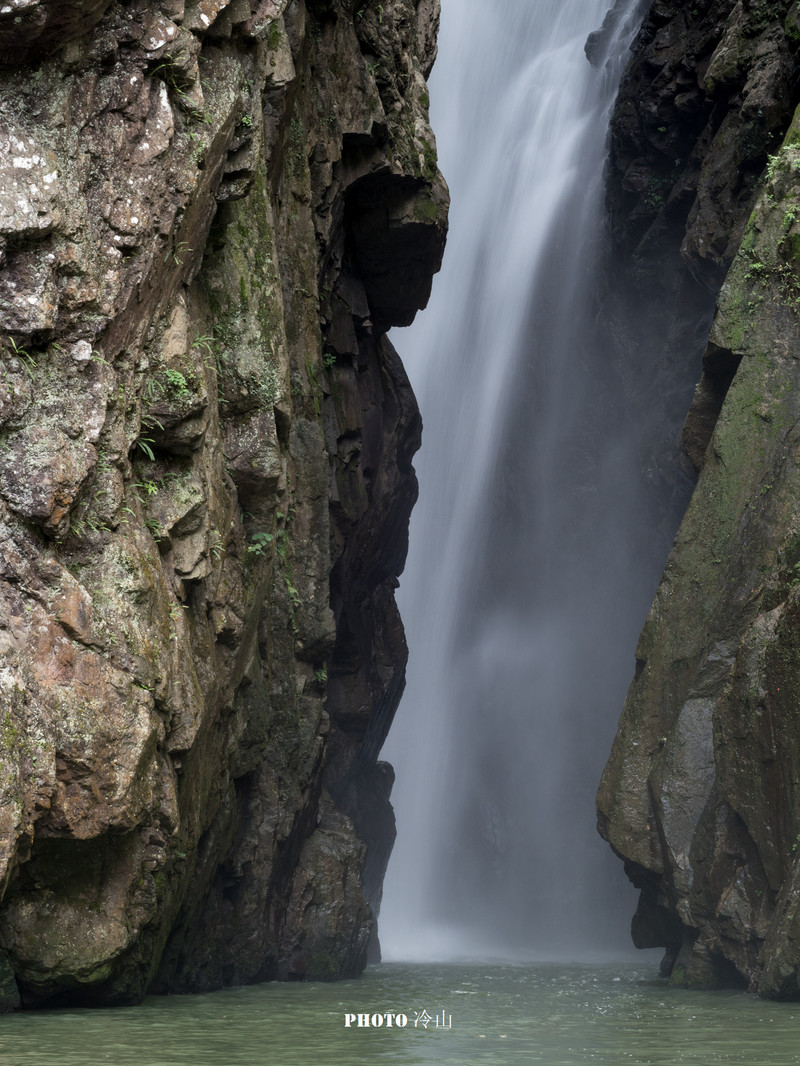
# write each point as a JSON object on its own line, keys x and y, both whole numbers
{"x": 529, "y": 572}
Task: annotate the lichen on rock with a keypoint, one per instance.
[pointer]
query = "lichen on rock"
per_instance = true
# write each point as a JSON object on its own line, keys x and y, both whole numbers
{"x": 210, "y": 214}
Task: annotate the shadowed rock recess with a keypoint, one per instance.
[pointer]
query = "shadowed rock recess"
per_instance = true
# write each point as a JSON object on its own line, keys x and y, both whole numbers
{"x": 701, "y": 795}
{"x": 211, "y": 211}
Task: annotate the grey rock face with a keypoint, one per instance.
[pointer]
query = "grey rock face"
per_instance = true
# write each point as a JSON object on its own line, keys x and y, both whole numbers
{"x": 699, "y": 796}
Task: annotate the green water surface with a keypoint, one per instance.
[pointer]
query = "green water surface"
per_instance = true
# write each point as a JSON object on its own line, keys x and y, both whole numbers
{"x": 500, "y": 1014}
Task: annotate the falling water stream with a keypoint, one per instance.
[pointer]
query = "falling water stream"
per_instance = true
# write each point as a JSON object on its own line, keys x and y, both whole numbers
{"x": 534, "y": 548}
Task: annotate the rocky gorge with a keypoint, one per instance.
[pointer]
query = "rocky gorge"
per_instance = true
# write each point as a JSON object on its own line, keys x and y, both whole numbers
{"x": 211, "y": 212}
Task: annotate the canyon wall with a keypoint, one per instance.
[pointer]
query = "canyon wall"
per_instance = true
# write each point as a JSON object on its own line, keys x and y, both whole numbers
{"x": 211, "y": 212}
{"x": 701, "y": 794}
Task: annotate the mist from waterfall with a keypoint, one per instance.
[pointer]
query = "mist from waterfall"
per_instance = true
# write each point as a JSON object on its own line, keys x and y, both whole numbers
{"x": 534, "y": 549}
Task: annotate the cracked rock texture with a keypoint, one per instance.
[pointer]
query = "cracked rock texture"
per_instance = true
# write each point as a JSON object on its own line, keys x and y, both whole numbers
{"x": 701, "y": 794}
{"x": 211, "y": 211}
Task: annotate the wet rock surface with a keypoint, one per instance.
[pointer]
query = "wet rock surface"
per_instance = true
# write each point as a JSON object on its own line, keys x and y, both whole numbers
{"x": 210, "y": 213}
{"x": 700, "y": 794}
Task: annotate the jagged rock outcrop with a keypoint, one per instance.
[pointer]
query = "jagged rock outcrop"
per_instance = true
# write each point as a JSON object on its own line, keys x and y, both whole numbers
{"x": 701, "y": 795}
{"x": 210, "y": 213}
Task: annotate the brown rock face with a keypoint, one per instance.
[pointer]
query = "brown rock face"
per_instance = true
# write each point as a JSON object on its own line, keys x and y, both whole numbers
{"x": 700, "y": 794}
{"x": 210, "y": 214}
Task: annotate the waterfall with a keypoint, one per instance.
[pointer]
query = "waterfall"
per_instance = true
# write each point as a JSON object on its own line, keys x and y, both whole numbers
{"x": 533, "y": 558}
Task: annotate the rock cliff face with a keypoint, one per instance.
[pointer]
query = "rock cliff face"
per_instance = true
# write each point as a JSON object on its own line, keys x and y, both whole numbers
{"x": 211, "y": 211}
{"x": 701, "y": 795}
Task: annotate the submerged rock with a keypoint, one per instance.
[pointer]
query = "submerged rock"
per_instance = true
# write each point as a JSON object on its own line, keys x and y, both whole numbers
{"x": 210, "y": 214}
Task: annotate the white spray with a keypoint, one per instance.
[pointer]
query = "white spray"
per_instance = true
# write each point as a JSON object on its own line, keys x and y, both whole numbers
{"x": 525, "y": 586}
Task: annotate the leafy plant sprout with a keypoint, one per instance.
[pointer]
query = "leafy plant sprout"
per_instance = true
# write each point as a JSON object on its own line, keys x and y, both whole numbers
{"x": 144, "y": 444}
{"x": 26, "y": 360}
{"x": 259, "y": 543}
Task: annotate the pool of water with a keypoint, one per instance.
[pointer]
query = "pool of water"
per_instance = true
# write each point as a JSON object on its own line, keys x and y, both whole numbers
{"x": 559, "y": 1015}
